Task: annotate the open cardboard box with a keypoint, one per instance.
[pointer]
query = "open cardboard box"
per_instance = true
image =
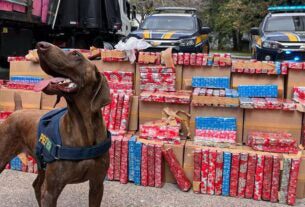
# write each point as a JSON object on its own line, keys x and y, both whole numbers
{"x": 178, "y": 151}
{"x": 30, "y": 99}
{"x": 215, "y": 100}
{"x": 178, "y": 77}
{"x": 273, "y": 120}
{"x": 295, "y": 78}
{"x": 151, "y": 111}
{"x": 208, "y": 71}
{"x": 205, "y": 111}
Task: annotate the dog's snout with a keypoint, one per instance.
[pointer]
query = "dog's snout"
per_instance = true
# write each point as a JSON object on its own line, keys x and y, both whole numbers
{"x": 42, "y": 46}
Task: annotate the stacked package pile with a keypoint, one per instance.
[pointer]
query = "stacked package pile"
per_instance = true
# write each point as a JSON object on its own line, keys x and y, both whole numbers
{"x": 215, "y": 97}
{"x": 116, "y": 114}
{"x": 193, "y": 59}
{"x": 295, "y": 65}
{"x": 263, "y": 97}
{"x": 22, "y": 82}
{"x": 157, "y": 78}
{"x": 262, "y": 91}
{"x": 244, "y": 175}
{"x": 210, "y": 82}
{"x": 161, "y": 130}
{"x": 24, "y": 163}
{"x": 299, "y": 94}
{"x": 267, "y": 103}
{"x": 280, "y": 142}
{"x": 179, "y": 97}
{"x": 215, "y": 129}
{"x": 4, "y": 115}
{"x": 145, "y": 166}
{"x": 113, "y": 55}
{"x": 258, "y": 67}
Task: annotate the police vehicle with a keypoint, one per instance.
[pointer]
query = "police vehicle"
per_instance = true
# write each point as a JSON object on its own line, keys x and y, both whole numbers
{"x": 176, "y": 27}
{"x": 281, "y": 35}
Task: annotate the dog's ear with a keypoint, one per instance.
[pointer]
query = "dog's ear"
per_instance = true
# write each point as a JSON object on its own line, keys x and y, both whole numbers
{"x": 101, "y": 95}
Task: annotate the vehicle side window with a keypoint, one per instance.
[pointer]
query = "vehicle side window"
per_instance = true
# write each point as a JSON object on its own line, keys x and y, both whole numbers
{"x": 199, "y": 23}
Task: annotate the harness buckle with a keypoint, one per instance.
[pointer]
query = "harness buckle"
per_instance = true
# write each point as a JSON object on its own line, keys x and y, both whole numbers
{"x": 57, "y": 147}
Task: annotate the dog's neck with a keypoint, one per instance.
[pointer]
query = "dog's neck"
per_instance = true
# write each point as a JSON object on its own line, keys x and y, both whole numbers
{"x": 83, "y": 126}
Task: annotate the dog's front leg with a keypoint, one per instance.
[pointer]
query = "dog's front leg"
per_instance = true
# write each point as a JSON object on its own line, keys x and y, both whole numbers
{"x": 51, "y": 190}
{"x": 96, "y": 192}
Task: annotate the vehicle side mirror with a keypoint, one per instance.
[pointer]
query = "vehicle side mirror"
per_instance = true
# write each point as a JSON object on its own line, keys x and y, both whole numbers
{"x": 254, "y": 31}
{"x": 205, "y": 30}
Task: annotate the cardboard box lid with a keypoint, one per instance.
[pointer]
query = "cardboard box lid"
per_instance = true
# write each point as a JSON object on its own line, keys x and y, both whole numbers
{"x": 30, "y": 99}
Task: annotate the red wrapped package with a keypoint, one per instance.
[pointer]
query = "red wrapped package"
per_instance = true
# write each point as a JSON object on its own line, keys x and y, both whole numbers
{"x": 110, "y": 172}
{"x": 234, "y": 174}
{"x": 144, "y": 166}
{"x": 292, "y": 188}
{"x": 106, "y": 115}
{"x": 218, "y": 178}
{"x": 125, "y": 113}
{"x": 212, "y": 172}
{"x": 242, "y": 180}
{"x": 151, "y": 164}
{"x": 183, "y": 182}
{"x": 124, "y": 161}
{"x": 204, "y": 171}
{"x": 266, "y": 194}
{"x": 259, "y": 173}
{"x": 113, "y": 107}
{"x": 117, "y": 158}
{"x": 30, "y": 164}
{"x": 275, "y": 179}
{"x": 158, "y": 166}
{"x": 118, "y": 76}
{"x": 119, "y": 112}
{"x": 283, "y": 194}
{"x": 197, "y": 169}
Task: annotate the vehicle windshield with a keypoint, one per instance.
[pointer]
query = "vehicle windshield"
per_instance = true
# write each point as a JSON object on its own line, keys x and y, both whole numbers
{"x": 168, "y": 23}
{"x": 285, "y": 23}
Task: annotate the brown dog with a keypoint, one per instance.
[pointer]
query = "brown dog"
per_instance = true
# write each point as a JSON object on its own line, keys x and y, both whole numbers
{"x": 85, "y": 91}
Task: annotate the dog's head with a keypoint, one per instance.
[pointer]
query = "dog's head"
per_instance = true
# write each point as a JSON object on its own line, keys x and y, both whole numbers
{"x": 74, "y": 76}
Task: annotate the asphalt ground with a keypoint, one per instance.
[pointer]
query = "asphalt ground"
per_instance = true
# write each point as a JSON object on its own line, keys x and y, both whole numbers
{"x": 16, "y": 191}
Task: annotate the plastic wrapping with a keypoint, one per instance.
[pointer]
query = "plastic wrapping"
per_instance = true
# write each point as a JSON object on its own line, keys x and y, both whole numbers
{"x": 259, "y": 173}
{"x": 242, "y": 178}
{"x": 204, "y": 171}
{"x": 212, "y": 172}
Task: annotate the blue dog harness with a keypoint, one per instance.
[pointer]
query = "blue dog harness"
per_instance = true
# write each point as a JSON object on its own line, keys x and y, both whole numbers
{"x": 49, "y": 146}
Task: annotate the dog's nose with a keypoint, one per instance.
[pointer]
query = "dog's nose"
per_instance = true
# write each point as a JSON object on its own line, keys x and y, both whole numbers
{"x": 43, "y": 46}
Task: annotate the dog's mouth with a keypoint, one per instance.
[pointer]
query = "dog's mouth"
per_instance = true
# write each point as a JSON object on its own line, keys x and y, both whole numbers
{"x": 65, "y": 85}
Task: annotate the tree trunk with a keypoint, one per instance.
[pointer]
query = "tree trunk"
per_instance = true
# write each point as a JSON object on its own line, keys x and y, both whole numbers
{"x": 234, "y": 40}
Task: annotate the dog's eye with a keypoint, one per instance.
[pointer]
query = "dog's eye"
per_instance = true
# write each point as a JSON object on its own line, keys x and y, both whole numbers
{"x": 75, "y": 53}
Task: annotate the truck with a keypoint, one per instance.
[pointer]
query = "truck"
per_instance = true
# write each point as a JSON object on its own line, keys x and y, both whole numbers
{"x": 281, "y": 35}
{"x": 66, "y": 23}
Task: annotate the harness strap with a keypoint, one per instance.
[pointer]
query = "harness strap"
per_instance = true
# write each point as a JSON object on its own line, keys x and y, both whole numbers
{"x": 81, "y": 153}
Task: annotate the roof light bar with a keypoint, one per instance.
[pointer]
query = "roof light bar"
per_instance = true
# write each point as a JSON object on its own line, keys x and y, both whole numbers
{"x": 286, "y": 8}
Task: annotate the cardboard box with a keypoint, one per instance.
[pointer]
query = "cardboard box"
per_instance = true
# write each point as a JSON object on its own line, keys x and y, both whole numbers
{"x": 295, "y": 78}
{"x": 256, "y": 79}
{"x": 190, "y": 71}
{"x": 205, "y": 111}
{"x": 151, "y": 111}
{"x": 30, "y": 99}
{"x": 134, "y": 114}
{"x": 273, "y": 120}
{"x": 114, "y": 66}
{"x": 26, "y": 68}
{"x": 178, "y": 78}
{"x": 214, "y": 100}
{"x": 47, "y": 102}
{"x": 179, "y": 152}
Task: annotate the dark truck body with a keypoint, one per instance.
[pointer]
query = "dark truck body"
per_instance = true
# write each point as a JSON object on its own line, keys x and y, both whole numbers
{"x": 79, "y": 23}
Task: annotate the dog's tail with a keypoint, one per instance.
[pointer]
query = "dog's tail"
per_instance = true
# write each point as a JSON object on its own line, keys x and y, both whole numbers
{"x": 18, "y": 101}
